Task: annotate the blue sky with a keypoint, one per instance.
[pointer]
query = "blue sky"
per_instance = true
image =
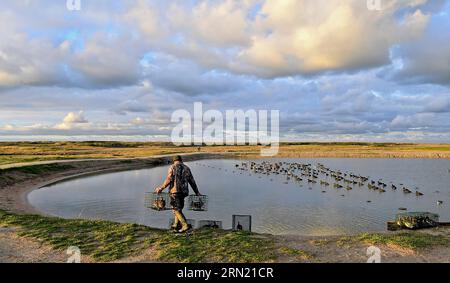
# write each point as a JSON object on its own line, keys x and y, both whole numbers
{"x": 336, "y": 70}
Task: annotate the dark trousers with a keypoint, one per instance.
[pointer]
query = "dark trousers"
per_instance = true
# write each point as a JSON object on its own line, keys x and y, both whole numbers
{"x": 177, "y": 201}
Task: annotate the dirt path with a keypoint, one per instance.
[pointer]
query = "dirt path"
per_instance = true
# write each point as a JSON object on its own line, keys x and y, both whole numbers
{"x": 334, "y": 250}
{"x": 15, "y": 249}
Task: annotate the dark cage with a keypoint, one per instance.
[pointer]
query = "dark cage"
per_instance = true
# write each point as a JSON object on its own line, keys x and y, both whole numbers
{"x": 242, "y": 223}
{"x": 209, "y": 224}
{"x": 158, "y": 202}
{"x": 198, "y": 203}
{"x": 417, "y": 220}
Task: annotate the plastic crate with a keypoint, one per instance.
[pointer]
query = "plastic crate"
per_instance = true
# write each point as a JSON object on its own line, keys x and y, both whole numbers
{"x": 242, "y": 223}
{"x": 198, "y": 203}
{"x": 210, "y": 224}
{"x": 158, "y": 202}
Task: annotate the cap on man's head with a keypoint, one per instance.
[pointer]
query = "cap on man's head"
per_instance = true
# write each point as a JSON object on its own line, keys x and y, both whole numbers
{"x": 177, "y": 158}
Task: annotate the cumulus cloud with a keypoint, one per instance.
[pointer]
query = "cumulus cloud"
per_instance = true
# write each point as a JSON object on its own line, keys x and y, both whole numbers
{"x": 308, "y": 37}
{"x": 220, "y": 23}
{"x": 28, "y": 62}
{"x": 256, "y": 37}
{"x": 72, "y": 120}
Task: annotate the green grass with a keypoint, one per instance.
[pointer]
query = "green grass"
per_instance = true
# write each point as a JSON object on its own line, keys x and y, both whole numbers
{"x": 11, "y": 159}
{"x": 296, "y": 253}
{"x": 39, "y": 169}
{"x": 14, "y": 175}
{"x": 210, "y": 245}
{"x": 103, "y": 240}
{"x": 106, "y": 241}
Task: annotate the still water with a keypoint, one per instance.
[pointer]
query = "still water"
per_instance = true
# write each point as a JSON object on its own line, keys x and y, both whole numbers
{"x": 277, "y": 205}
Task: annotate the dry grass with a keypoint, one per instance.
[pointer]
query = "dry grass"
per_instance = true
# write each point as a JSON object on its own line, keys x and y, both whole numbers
{"x": 18, "y": 152}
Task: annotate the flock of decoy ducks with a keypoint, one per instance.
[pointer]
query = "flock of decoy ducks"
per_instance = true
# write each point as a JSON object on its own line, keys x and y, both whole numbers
{"x": 320, "y": 174}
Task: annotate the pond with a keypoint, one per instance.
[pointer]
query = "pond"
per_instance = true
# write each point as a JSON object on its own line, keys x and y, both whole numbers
{"x": 277, "y": 204}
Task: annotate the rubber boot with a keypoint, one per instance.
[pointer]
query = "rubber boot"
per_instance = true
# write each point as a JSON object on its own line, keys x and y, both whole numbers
{"x": 184, "y": 225}
{"x": 176, "y": 222}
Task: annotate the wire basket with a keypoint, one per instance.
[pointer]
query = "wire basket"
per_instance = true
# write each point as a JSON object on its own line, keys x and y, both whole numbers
{"x": 198, "y": 203}
{"x": 158, "y": 202}
{"x": 210, "y": 224}
{"x": 417, "y": 220}
{"x": 242, "y": 223}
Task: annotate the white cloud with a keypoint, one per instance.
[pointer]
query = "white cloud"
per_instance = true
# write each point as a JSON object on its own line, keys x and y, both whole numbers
{"x": 308, "y": 37}
{"x": 72, "y": 120}
{"x": 221, "y": 23}
{"x": 282, "y": 38}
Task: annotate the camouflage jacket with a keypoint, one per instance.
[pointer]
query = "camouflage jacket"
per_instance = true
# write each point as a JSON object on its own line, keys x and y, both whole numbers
{"x": 178, "y": 178}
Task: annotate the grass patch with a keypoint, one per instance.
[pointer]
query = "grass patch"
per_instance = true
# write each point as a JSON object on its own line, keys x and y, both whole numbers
{"x": 296, "y": 253}
{"x": 10, "y": 176}
{"x": 409, "y": 240}
{"x": 102, "y": 240}
{"x": 39, "y": 169}
{"x": 211, "y": 245}
{"x": 106, "y": 241}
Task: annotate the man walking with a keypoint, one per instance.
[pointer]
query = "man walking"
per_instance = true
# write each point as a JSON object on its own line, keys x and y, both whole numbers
{"x": 178, "y": 178}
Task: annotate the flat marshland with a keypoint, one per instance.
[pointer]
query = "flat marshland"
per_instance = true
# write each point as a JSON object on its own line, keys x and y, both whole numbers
{"x": 19, "y": 152}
